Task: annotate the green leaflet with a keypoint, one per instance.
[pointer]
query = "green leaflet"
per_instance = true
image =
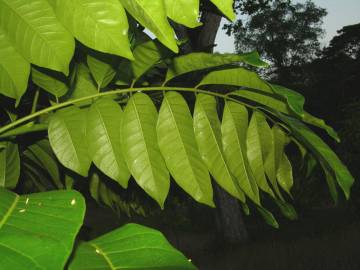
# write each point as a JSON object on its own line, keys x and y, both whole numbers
{"x": 284, "y": 174}
{"x": 140, "y": 147}
{"x": 185, "y": 12}
{"x": 268, "y": 217}
{"x": 103, "y": 68}
{"x": 84, "y": 84}
{"x": 322, "y": 153}
{"x": 146, "y": 55}
{"x": 37, "y": 231}
{"x": 178, "y": 146}
{"x": 52, "y": 82}
{"x": 266, "y": 138}
{"x": 278, "y": 140}
{"x": 200, "y": 61}
{"x": 51, "y": 45}
{"x": 14, "y": 70}
{"x": 9, "y": 165}
{"x": 312, "y": 120}
{"x": 274, "y": 102}
{"x": 234, "y": 127}
{"x": 152, "y": 15}
{"x": 129, "y": 247}
{"x": 103, "y": 123}
{"x": 236, "y": 77}
{"x": 256, "y": 147}
{"x": 24, "y": 129}
{"x": 99, "y": 24}
{"x": 208, "y": 137}
{"x": 43, "y": 156}
{"x": 266, "y": 99}
{"x": 287, "y": 210}
{"x": 226, "y": 7}
{"x": 67, "y": 139}
{"x": 295, "y": 100}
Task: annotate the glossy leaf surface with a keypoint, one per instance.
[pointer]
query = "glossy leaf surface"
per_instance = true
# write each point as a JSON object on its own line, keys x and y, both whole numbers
{"x": 200, "y": 61}
{"x": 67, "y": 139}
{"x": 35, "y": 23}
{"x": 37, "y": 231}
{"x": 99, "y": 24}
{"x": 103, "y": 124}
{"x": 178, "y": 146}
{"x": 236, "y": 77}
{"x": 141, "y": 149}
{"x": 185, "y": 12}
{"x": 152, "y": 15}
{"x": 129, "y": 247}
{"x": 207, "y": 130}
{"x": 234, "y": 128}
{"x": 226, "y": 7}
{"x": 256, "y": 150}
{"x": 14, "y": 69}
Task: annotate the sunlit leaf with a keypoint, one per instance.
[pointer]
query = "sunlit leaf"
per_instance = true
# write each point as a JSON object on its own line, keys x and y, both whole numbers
{"x": 236, "y": 77}
{"x": 67, "y": 139}
{"x": 200, "y": 61}
{"x": 103, "y": 124}
{"x": 140, "y": 147}
{"x": 33, "y": 29}
{"x": 152, "y": 15}
{"x": 178, "y": 146}
{"x": 226, "y": 7}
{"x": 256, "y": 150}
{"x": 234, "y": 128}
{"x": 208, "y": 136}
{"x": 185, "y": 12}
{"x": 14, "y": 69}
{"x": 99, "y": 24}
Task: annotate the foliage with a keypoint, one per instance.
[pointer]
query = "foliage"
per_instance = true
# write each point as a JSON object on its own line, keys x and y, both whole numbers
{"x": 283, "y": 32}
{"x": 37, "y": 231}
{"x": 97, "y": 99}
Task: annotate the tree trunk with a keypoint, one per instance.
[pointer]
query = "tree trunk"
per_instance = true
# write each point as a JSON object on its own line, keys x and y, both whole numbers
{"x": 230, "y": 224}
{"x": 229, "y": 219}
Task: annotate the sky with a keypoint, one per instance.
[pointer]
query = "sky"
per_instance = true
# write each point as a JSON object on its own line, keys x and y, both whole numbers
{"x": 340, "y": 13}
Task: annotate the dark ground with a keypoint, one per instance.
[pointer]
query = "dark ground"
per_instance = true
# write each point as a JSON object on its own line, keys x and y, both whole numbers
{"x": 321, "y": 239}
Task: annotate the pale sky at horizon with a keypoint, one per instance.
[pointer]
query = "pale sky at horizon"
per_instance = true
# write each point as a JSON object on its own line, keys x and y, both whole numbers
{"x": 340, "y": 13}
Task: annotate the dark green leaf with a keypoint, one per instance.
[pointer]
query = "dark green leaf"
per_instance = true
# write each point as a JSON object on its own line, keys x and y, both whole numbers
{"x": 129, "y": 247}
{"x": 9, "y": 165}
{"x": 37, "y": 231}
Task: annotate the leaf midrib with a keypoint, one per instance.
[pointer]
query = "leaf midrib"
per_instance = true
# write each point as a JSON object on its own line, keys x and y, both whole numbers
{"x": 215, "y": 139}
{"x": 181, "y": 140}
{"x": 152, "y": 20}
{"x": 30, "y": 26}
{"x": 144, "y": 140}
{"x": 9, "y": 211}
{"x": 241, "y": 151}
